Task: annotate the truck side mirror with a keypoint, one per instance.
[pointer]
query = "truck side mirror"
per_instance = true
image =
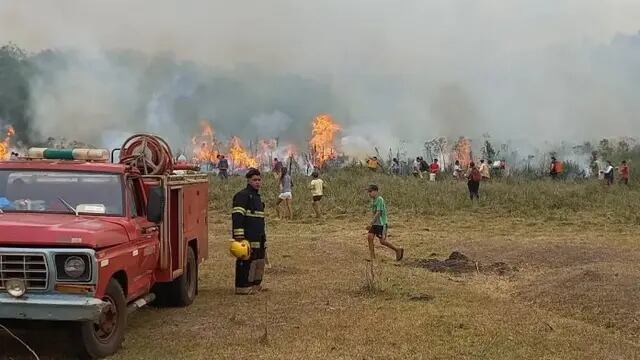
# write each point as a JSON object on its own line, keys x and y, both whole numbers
{"x": 155, "y": 204}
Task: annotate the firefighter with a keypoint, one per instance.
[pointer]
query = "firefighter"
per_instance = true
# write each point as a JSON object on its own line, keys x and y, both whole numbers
{"x": 248, "y": 225}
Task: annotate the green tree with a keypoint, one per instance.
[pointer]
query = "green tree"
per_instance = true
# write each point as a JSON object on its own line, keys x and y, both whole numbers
{"x": 605, "y": 149}
{"x": 15, "y": 70}
{"x": 623, "y": 147}
{"x": 488, "y": 152}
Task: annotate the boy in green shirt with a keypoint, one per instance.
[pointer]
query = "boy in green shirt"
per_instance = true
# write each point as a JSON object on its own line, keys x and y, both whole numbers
{"x": 378, "y": 227}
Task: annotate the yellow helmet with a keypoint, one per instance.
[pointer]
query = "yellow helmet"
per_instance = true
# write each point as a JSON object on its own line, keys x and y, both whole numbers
{"x": 240, "y": 249}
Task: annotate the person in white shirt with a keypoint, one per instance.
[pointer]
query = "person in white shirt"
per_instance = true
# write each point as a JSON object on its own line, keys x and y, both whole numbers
{"x": 484, "y": 170}
{"x": 457, "y": 170}
{"x": 317, "y": 191}
{"x": 608, "y": 173}
{"x": 417, "y": 171}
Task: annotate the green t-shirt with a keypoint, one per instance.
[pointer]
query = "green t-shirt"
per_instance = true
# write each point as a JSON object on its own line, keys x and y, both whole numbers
{"x": 378, "y": 205}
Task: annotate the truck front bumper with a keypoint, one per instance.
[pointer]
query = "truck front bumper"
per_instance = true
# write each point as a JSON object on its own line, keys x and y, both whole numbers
{"x": 59, "y": 307}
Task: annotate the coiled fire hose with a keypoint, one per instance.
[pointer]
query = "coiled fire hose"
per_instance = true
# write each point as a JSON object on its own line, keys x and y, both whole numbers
{"x": 149, "y": 153}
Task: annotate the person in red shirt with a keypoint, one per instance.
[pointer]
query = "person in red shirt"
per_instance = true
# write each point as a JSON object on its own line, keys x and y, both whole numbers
{"x": 624, "y": 172}
{"x": 434, "y": 168}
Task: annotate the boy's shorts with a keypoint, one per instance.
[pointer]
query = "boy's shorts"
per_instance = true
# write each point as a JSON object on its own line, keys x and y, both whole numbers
{"x": 285, "y": 196}
{"x": 317, "y": 198}
{"x": 378, "y": 231}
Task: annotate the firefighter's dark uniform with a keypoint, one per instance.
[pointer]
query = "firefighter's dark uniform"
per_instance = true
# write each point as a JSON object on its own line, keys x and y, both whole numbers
{"x": 247, "y": 217}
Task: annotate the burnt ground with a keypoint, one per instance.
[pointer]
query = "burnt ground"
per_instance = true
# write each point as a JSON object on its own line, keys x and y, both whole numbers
{"x": 552, "y": 291}
{"x": 459, "y": 263}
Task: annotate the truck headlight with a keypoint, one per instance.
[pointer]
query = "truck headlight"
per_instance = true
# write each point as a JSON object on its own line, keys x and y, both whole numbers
{"x": 15, "y": 287}
{"x": 74, "y": 266}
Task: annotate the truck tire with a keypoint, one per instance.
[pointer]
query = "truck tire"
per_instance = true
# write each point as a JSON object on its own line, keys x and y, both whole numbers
{"x": 182, "y": 291}
{"x": 104, "y": 337}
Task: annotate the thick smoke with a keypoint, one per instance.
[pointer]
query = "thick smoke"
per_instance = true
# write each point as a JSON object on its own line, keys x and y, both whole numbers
{"x": 391, "y": 73}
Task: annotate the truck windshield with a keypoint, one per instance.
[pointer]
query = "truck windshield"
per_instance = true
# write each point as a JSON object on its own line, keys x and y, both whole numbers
{"x": 41, "y": 191}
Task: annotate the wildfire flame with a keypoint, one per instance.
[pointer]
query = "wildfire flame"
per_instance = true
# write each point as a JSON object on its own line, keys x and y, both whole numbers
{"x": 266, "y": 149}
{"x": 291, "y": 151}
{"x": 205, "y": 145}
{"x": 462, "y": 151}
{"x": 239, "y": 156}
{"x": 4, "y": 144}
{"x": 267, "y": 145}
{"x": 322, "y": 140}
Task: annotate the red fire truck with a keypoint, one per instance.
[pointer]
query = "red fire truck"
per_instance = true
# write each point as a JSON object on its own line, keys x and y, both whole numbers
{"x": 87, "y": 241}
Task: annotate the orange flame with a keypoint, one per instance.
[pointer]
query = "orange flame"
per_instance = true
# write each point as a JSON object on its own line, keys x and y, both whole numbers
{"x": 205, "y": 145}
{"x": 239, "y": 156}
{"x": 462, "y": 151}
{"x": 322, "y": 140}
{"x": 4, "y": 144}
{"x": 267, "y": 145}
{"x": 266, "y": 150}
{"x": 291, "y": 151}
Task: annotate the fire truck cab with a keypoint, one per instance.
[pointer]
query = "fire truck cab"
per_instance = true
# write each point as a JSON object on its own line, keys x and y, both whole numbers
{"x": 87, "y": 242}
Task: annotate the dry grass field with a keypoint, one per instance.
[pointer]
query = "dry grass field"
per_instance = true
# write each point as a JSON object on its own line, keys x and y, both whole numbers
{"x": 561, "y": 283}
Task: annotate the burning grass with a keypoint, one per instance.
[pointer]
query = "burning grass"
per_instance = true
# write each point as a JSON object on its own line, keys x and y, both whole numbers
{"x": 5, "y": 151}
{"x": 324, "y": 130}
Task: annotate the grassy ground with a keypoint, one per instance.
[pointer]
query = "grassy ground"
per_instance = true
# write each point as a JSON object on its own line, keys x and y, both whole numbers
{"x": 572, "y": 291}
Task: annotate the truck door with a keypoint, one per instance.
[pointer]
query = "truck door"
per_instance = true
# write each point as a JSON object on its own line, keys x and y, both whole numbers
{"x": 146, "y": 238}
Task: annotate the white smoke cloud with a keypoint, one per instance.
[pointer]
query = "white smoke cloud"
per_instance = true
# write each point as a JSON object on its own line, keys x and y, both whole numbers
{"x": 534, "y": 69}
{"x": 271, "y": 125}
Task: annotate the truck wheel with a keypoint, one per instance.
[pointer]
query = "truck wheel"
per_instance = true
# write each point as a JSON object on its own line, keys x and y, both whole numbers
{"x": 182, "y": 291}
{"x": 104, "y": 337}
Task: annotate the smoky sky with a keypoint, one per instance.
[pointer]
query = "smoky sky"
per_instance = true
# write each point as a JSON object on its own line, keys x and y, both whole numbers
{"x": 388, "y": 71}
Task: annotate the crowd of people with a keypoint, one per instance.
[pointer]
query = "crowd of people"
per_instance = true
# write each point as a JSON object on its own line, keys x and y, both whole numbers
{"x": 248, "y": 230}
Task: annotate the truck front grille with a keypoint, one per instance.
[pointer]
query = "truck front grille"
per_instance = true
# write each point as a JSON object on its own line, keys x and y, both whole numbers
{"x": 32, "y": 268}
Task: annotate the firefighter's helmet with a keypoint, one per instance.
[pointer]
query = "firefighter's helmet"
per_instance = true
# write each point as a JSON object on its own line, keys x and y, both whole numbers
{"x": 240, "y": 249}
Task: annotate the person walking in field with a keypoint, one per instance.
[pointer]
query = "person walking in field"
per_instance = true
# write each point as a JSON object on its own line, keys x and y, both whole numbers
{"x": 373, "y": 164}
{"x": 473, "y": 181}
{"x": 434, "y": 168}
{"x": 249, "y": 238}
{"x": 457, "y": 170}
{"x": 424, "y": 166}
{"x": 416, "y": 168}
{"x": 395, "y": 167}
{"x": 378, "y": 226}
{"x": 277, "y": 168}
{"x": 317, "y": 191}
{"x": 286, "y": 193}
{"x": 556, "y": 168}
{"x": 485, "y": 172}
{"x": 223, "y": 167}
{"x": 608, "y": 173}
{"x": 623, "y": 171}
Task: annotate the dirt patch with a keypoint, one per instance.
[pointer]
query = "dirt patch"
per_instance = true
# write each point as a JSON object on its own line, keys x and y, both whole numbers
{"x": 459, "y": 263}
{"x": 542, "y": 254}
